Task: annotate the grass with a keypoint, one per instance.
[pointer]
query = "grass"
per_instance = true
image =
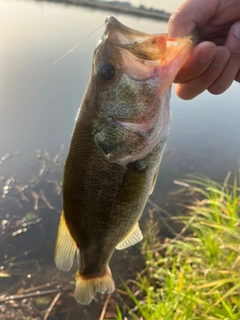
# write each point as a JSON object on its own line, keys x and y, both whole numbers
{"x": 193, "y": 276}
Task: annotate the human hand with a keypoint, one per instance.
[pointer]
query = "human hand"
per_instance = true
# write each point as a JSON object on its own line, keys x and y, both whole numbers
{"x": 215, "y": 62}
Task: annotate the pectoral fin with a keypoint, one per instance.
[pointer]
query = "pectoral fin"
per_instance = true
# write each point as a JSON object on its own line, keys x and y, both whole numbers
{"x": 132, "y": 238}
{"x": 65, "y": 246}
{"x": 154, "y": 180}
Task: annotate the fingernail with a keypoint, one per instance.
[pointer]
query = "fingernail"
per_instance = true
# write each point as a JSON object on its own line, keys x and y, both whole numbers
{"x": 221, "y": 58}
{"x": 207, "y": 54}
{"x": 236, "y": 30}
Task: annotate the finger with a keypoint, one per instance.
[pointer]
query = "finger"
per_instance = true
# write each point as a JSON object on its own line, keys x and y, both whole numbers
{"x": 194, "y": 87}
{"x": 191, "y": 14}
{"x": 199, "y": 60}
{"x": 231, "y": 70}
{"x": 227, "y": 76}
{"x": 233, "y": 39}
{"x": 238, "y": 76}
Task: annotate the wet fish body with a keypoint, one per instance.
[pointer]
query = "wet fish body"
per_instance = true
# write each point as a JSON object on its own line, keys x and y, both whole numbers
{"x": 115, "y": 152}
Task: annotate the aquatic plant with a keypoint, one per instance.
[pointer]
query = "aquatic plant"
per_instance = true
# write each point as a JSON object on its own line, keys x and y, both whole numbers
{"x": 196, "y": 274}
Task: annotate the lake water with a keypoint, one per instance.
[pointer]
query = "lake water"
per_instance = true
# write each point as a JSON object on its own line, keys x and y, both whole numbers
{"x": 39, "y": 112}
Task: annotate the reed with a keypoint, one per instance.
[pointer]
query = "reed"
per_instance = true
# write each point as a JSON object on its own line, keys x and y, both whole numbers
{"x": 195, "y": 275}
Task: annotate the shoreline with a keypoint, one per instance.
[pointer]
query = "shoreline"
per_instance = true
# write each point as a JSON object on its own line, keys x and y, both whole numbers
{"x": 148, "y": 13}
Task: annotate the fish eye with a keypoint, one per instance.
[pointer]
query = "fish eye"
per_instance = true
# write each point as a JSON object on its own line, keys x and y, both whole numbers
{"x": 106, "y": 71}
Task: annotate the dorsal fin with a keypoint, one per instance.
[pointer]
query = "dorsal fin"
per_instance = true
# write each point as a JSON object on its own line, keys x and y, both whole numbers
{"x": 132, "y": 238}
{"x": 65, "y": 246}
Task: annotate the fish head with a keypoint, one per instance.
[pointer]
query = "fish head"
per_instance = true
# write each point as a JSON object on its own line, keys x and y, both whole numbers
{"x": 132, "y": 75}
{"x": 140, "y": 55}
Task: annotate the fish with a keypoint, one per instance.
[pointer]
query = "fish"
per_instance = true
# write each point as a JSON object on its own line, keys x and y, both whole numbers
{"x": 115, "y": 152}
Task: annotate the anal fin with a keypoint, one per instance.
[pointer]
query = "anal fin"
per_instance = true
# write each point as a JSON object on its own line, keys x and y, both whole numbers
{"x": 132, "y": 238}
{"x": 65, "y": 246}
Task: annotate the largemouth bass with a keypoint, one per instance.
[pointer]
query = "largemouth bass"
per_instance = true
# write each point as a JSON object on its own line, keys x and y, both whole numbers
{"x": 116, "y": 148}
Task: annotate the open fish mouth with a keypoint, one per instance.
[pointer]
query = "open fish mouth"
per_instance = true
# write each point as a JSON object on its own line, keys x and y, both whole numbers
{"x": 142, "y": 45}
{"x": 147, "y": 55}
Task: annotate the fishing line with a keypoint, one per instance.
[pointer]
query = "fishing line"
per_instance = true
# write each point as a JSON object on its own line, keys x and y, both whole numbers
{"x": 48, "y": 68}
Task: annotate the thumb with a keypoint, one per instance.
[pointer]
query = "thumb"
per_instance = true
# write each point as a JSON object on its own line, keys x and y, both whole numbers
{"x": 191, "y": 14}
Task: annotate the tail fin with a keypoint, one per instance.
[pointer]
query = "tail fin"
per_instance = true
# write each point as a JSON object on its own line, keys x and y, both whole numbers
{"x": 86, "y": 288}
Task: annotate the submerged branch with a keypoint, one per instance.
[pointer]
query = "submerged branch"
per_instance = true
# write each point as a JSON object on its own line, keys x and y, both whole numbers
{"x": 59, "y": 289}
{"x": 52, "y": 305}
